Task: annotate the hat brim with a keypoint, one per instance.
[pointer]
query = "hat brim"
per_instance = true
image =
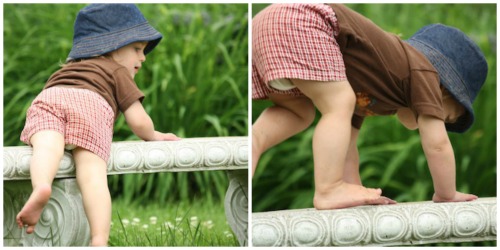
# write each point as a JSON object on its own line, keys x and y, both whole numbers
{"x": 453, "y": 83}
{"x": 102, "y": 44}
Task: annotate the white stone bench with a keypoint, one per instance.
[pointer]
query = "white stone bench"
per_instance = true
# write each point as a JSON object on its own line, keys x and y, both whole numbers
{"x": 63, "y": 221}
{"x": 411, "y": 223}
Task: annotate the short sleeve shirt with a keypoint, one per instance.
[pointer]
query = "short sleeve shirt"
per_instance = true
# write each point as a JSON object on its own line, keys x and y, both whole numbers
{"x": 385, "y": 72}
{"x": 104, "y": 76}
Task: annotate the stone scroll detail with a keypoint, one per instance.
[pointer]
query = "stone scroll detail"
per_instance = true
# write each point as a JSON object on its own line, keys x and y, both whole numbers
{"x": 62, "y": 223}
{"x": 192, "y": 154}
{"x": 402, "y": 224}
{"x": 236, "y": 204}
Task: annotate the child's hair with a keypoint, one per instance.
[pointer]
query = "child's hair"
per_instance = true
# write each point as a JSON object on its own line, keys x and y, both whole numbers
{"x": 69, "y": 62}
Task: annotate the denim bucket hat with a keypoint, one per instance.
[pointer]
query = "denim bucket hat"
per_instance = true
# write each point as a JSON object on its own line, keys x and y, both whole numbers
{"x": 102, "y": 28}
{"x": 459, "y": 62}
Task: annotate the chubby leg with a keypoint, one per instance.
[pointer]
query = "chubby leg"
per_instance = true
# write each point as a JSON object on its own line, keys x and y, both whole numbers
{"x": 48, "y": 149}
{"x": 351, "y": 169}
{"x": 91, "y": 175}
{"x": 287, "y": 117}
{"x": 331, "y": 140}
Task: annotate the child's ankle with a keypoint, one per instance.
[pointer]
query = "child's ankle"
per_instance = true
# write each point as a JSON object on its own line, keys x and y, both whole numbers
{"x": 326, "y": 189}
{"x": 43, "y": 190}
{"x": 99, "y": 241}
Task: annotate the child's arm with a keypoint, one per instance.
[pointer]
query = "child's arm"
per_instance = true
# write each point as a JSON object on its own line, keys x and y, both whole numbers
{"x": 142, "y": 125}
{"x": 441, "y": 160}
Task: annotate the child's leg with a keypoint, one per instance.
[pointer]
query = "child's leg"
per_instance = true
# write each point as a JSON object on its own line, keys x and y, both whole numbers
{"x": 286, "y": 118}
{"x": 351, "y": 169}
{"x": 335, "y": 101}
{"x": 48, "y": 149}
{"x": 91, "y": 174}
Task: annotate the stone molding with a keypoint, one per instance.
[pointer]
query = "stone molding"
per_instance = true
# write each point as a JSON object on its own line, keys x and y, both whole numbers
{"x": 236, "y": 204}
{"x": 63, "y": 221}
{"x": 411, "y": 223}
{"x": 192, "y": 154}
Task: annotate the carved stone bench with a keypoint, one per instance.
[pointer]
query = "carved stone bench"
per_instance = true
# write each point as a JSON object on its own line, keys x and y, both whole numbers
{"x": 411, "y": 223}
{"x": 63, "y": 221}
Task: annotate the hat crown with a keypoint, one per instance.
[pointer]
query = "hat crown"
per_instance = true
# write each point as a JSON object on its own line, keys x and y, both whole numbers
{"x": 97, "y": 19}
{"x": 461, "y": 65}
{"x": 460, "y": 51}
{"x": 102, "y": 28}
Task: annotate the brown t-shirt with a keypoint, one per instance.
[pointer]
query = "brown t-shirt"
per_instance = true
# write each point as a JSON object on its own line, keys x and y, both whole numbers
{"x": 385, "y": 72}
{"x": 102, "y": 75}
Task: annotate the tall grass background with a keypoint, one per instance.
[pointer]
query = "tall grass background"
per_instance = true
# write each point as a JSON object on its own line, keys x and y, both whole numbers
{"x": 195, "y": 83}
{"x": 391, "y": 157}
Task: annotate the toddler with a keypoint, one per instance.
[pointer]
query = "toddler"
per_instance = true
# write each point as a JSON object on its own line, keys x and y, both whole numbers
{"x": 308, "y": 56}
{"x": 78, "y": 106}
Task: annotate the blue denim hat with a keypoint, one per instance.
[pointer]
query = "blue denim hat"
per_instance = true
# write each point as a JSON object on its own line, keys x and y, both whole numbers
{"x": 460, "y": 64}
{"x": 102, "y": 28}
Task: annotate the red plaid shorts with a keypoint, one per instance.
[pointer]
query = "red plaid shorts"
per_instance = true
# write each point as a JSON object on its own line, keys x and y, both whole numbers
{"x": 83, "y": 117}
{"x": 294, "y": 41}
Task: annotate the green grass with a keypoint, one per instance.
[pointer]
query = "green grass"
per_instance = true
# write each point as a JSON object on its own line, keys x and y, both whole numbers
{"x": 391, "y": 157}
{"x": 174, "y": 224}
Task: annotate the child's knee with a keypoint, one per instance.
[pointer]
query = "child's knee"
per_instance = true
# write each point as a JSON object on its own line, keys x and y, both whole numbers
{"x": 351, "y": 99}
{"x": 304, "y": 109}
{"x": 308, "y": 114}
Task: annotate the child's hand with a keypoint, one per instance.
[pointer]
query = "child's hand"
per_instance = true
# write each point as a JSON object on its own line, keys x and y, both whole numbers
{"x": 159, "y": 136}
{"x": 458, "y": 197}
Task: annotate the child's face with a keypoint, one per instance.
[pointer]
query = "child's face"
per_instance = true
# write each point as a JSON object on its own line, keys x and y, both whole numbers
{"x": 130, "y": 56}
{"x": 452, "y": 109}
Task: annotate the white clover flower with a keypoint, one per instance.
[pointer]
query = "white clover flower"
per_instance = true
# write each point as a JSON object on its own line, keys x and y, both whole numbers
{"x": 228, "y": 234}
{"x": 136, "y": 221}
{"x": 194, "y": 221}
{"x": 125, "y": 222}
{"x": 153, "y": 220}
{"x": 208, "y": 224}
{"x": 169, "y": 224}
{"x": 145, "y": 226}
{"x": 178, "y": 219}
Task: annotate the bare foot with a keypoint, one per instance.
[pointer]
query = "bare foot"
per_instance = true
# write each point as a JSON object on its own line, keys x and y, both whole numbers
{"x": 30, "y": 214}
{"x": 459, "y": 197}
{"x": 348, "y": 195}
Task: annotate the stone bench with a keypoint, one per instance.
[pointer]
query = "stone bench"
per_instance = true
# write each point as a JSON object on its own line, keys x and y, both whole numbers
{"x": 411, "y": 223}
{"x": 63, "y": 221}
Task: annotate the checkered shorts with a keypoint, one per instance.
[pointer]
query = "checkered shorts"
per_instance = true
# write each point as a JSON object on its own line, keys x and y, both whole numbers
{"x": 83, "y": 117}
{"x": 294, "y": 41}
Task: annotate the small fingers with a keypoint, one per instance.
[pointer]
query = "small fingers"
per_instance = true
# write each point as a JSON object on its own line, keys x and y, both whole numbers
{"x": 30, "y": 229}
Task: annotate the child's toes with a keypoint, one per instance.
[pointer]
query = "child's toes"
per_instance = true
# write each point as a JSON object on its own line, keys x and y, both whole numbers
{"x": 376, "y": 191}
